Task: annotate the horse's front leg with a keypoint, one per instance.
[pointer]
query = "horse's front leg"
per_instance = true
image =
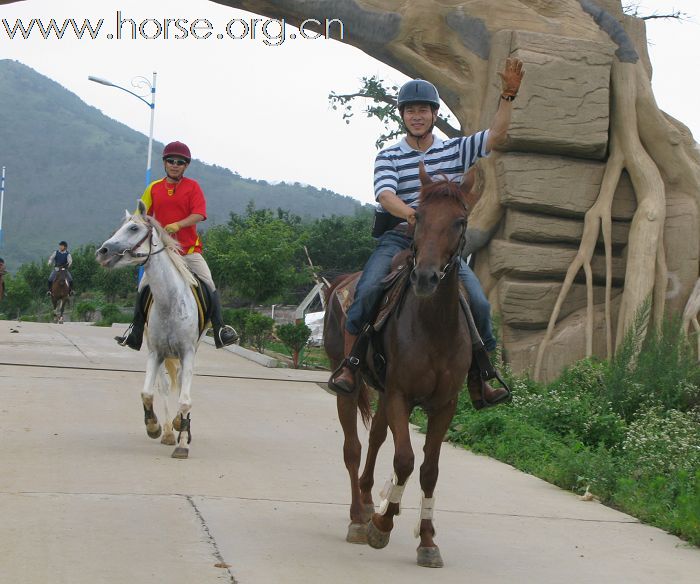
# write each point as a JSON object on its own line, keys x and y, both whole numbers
{"x": 397, "y": 413}
{"x": 352, "y": 451}
{"x": 438, "y": 423}
{"x": 153, "y": 364}
{"x": 182, "y": 418}
{"x": 165, "y": 382}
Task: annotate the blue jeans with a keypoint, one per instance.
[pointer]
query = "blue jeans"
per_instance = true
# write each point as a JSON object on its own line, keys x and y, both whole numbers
{"x": 370, "y": 288}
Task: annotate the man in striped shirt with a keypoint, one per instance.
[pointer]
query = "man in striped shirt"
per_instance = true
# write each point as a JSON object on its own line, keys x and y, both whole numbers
{"x": 397, "y": 186}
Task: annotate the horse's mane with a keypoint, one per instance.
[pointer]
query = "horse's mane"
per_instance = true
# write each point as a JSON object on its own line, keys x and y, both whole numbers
{"x": 440, "y": 188}
{"x": 172, "y": 248}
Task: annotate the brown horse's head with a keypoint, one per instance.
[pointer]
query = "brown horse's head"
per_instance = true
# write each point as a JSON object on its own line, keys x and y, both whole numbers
{"x": 441, "y": 221}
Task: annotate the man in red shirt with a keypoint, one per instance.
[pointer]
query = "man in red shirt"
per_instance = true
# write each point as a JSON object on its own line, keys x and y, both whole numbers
{"x": 178, "y": 204}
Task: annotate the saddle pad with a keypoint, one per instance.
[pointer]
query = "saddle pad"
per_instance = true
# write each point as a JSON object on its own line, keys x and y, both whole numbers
{"x": 345, "y": 291}
{"x": 202, "y": 298}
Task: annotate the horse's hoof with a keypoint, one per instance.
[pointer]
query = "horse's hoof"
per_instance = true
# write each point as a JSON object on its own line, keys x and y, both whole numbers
{"x": 154, "y": 433}
{"x": 375, "y": 538}
{"x": 357, "y": 533}
{"x": 429, "y": 557}
{"x": 367, "y": 512}
{"x": 168, "y": 439}
{"x": 180, "y": 452}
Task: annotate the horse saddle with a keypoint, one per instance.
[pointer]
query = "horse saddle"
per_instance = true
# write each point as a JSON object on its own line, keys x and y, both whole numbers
{"x": 369, "y": 346}
{"x": 202, "y": 297}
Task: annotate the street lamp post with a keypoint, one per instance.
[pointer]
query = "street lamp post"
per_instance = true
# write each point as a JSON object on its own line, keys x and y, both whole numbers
{"x": 140, "y": 82}
{"x": 2, "y": 201}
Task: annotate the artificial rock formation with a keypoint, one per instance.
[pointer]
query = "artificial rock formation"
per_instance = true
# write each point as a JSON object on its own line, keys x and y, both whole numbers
{"x": 592, "y": 205}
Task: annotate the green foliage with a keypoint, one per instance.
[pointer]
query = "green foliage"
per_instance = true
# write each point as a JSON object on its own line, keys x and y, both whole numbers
{"x": 294, "y": 337}
{"x": 259, "y": 256}
{"x": 84, "y": 310}
{"x": 659, "y": 371}
{"x": 341, "y": 244}
{"x": 18, "y": 296}
{"x": 111, "y": 313}
{"x": 258, "y": 329}
{"x": 628, "y": 430}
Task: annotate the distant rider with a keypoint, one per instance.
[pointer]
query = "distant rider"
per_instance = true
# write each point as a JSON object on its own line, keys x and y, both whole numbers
{"x": 61, "y": 258}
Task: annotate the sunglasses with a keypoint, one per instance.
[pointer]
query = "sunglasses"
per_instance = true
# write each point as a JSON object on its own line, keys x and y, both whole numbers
{"x": 176, "y": 161}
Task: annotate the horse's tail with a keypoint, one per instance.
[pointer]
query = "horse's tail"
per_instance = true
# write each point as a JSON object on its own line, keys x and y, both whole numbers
{"x": 363, "y": 401}
{"x": 171, "y": 365}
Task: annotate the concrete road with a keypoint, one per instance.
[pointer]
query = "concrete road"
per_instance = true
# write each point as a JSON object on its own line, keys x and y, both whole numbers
{"x": 87, "y": 497}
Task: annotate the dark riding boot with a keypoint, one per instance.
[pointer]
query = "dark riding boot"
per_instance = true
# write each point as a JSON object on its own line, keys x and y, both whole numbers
{"x": 223, "y": 334}
{"x": 133, "y": 337}
{"x": 481, "y": 393}
{"x": 343, "y": 379}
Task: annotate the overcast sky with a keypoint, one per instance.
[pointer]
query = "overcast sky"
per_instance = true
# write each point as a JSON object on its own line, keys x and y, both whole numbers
{"x": 263, "y": 110}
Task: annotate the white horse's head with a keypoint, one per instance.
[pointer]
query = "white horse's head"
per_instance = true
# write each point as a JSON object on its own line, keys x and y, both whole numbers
{"x": 139, "y": 237}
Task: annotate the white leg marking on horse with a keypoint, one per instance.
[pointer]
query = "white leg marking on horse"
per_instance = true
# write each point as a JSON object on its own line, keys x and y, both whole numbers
{"x": 427, "y": 505}
{"x": 391, "y": 493}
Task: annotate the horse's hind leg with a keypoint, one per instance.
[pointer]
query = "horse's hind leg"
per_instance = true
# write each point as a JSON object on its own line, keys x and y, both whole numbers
{"x": 352, "y": 450}
{"x": 184, "y": 438}
{"x": 164, "y": 386}
{"x": 153, "y": 428}
{"x": 428, "y": 553}
{"x": 377, "y": 436}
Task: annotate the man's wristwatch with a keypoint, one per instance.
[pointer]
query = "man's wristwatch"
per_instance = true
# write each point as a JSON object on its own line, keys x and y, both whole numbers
{"x": 508, "y": 97}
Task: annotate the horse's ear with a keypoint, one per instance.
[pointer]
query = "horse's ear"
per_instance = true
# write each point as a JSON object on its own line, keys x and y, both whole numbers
{"x": 127, "y": 215}
{"x": 141, "y": 208}
{"x": 423, "y": 175}
{"x": 466, "y": 188}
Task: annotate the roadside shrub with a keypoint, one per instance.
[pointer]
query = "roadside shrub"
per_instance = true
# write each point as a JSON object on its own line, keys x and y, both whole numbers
{"x": 84, "y": 310}
{"x": 663, "y": 443}
{"x": 258, "y": 329}
{"x": 111, "y": 314}
{"x": 236, "y": 317}
{"x": 295, "y": 337}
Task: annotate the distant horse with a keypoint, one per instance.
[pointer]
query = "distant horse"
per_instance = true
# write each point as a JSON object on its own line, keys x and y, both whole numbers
{"x": 60, "y": 293}
{"x": 172, "y": 333}
{"x": 428, "y": 353}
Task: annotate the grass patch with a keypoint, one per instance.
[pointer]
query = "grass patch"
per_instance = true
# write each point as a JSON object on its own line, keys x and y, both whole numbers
{"x": 627, "y": 430}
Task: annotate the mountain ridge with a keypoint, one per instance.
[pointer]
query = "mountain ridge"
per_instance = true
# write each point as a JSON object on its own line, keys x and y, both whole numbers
{"x": 58, "y": 151}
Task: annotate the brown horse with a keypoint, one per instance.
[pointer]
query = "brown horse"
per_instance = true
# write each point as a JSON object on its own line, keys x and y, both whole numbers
{"x": 428, "y": 351}
{"x": 60, "y": 291}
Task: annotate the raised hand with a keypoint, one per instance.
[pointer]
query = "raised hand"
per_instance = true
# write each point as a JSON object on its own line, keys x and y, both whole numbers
{"x": 511, "y": 78}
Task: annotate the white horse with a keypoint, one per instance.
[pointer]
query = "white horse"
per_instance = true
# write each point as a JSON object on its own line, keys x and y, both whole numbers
{"x": 172, "y": 333}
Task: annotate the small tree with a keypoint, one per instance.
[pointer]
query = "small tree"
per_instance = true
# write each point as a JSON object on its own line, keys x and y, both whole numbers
{"x": 294, "y": 337}
{"x": 258, "y": 328}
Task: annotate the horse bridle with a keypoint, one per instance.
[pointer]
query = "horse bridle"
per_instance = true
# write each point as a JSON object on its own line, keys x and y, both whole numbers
{"x": 456, "y": 257}
{"x": 149, "y": 236}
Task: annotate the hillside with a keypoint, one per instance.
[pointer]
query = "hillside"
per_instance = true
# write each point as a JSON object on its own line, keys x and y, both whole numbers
{"x": 71, "y": 171}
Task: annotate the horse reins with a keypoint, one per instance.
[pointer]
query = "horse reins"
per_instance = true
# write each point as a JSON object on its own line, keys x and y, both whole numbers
{"x": 456, "y": 257}
{"x": 149, "y": 235}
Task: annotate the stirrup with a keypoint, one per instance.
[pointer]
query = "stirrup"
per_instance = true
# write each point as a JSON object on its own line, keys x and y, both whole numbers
{"x": 353, "y": 364}
{"x": 219, "y": 342}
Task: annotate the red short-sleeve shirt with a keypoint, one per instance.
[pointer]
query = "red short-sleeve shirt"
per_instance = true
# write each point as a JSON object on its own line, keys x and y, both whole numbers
{"x": 169, "y": 203}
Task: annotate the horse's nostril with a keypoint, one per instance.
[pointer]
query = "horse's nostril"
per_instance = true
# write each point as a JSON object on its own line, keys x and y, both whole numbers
{"x": 102, "y": 251}
{"x": 434, "y": 279}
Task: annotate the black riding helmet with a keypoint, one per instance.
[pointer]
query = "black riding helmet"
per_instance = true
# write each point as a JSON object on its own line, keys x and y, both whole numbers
{"x": 63, "y": 243}
{"x": 418, "y": 91}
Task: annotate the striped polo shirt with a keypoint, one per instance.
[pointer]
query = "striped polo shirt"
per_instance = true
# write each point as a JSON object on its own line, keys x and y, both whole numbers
{"x": 396, "y": 167}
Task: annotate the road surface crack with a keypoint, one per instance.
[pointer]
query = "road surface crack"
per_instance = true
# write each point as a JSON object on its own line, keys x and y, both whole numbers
{"x": 210, "y": 538}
